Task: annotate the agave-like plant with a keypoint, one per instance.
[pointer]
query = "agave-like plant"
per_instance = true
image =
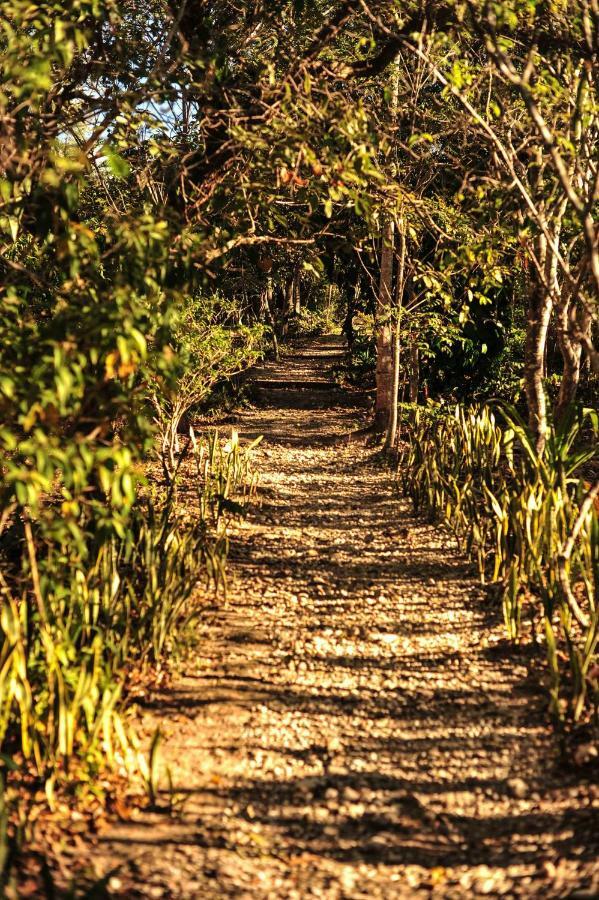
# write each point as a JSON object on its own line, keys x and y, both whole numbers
{"x": 528, "y": 520}
{"x": 72, "y": 626}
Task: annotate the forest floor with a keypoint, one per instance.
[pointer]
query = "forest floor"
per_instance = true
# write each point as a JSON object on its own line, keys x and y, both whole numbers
{"x": 352, "y": 722}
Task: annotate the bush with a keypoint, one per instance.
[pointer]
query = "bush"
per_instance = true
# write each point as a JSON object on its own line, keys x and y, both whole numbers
{"x": 209, "y": 345}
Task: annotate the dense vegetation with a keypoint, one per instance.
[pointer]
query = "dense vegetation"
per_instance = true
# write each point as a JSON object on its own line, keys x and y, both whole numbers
{"x": 183, "y": 186}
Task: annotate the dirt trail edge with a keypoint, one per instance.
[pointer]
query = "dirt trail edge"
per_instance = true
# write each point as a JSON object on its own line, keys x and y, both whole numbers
{"x": 352, "y": 724}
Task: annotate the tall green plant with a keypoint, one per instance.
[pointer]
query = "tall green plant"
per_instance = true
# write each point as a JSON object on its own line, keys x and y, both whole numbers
{"x": 65, "y": 651}
{"x": 527, "y": 520}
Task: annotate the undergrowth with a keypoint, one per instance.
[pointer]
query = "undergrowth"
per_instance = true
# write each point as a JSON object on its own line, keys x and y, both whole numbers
{"x": 530, "y": 523}
{"x": 76, "y": 622}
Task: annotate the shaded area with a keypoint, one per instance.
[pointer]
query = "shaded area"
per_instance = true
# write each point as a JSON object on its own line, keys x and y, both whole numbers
{"x": 300, "y": 382}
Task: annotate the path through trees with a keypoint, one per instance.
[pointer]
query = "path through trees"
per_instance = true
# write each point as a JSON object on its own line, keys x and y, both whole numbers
{"x": 352, "y": 723}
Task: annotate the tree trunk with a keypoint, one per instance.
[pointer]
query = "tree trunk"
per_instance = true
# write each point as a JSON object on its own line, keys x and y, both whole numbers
{"x": 329, "y": 307}
{"x": 384, "y": 333}
{"x": 544, "y": 293}
{"x": 297, "y": 295}
{"x": 571, "y": 350}
{"x": 539, "y": 314}
{"x": 348, "y": 324}
{"x": 288, "y": 298}
{"x": 391, "y": 438}
{"x": 267, "y": 300}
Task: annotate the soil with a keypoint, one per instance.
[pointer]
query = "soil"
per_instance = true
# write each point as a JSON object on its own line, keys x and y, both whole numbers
{"x": 352, "y": 722}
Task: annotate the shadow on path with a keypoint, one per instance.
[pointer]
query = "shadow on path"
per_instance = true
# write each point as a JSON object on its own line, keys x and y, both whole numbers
{"x": 350, "y": 725}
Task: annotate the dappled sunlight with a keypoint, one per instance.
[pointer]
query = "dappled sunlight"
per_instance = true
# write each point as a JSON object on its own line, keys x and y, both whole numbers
{"x": 348, "y": 726}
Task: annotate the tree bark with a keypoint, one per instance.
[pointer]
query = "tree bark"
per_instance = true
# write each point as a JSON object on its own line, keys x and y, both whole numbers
{"x": 297, "y": 294}
{"x": 348, "y": 324}
{"x": 288, "y": 304}
{"x": 391, "y": 439}
{"x": 384, "y": 333}
{"x": 539, "y": 314}
{"x": 266, "y": 303}
{"x": 571, "y": 350}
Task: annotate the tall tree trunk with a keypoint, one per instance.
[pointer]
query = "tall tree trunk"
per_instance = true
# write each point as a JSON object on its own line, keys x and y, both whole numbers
{"x": 288, "y": 299}
{"x": 391, "y": 438}
{"x": 539, "y": 314}
{"x": 266, "y": 302}
{"x": 329, "y": 307}
{"x": 297, "y": 293}
{"x": 384, "y": 332}
{"x": 571, "y": 350}
{"x": 348, "y": 323}
{"x": 545, "y": 293}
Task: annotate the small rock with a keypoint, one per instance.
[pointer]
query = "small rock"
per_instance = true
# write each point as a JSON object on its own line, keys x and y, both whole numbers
{"x": 585, "y": 753}
{"x": 348, "y": 879}
{"x": 156, "y": 892}
{"x": 356, "y": 810}
{"x": 518, "y": 788}
{"x": 351, "y": 794}
{"x": 484, "y": 885}
{"x": 550, "y": 868}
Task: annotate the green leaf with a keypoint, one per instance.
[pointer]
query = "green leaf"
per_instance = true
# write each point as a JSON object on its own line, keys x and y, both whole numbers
{"x": 118, "y": 166}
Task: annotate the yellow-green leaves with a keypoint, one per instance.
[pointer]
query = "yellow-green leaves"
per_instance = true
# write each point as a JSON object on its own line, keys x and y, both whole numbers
{"x": 117, "y": 164}
{"x": 514, "y": 513}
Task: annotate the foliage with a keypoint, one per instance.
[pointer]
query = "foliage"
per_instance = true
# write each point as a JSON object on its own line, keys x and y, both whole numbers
{"x": 514, "y": 512}
{"x": 322, "y": 313}
{"x": 211, "y": 344}
{"x": 65, "y": 659}
{"x": 359, "y": 370}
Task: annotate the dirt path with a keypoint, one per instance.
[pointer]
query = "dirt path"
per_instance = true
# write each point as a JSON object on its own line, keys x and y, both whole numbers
{"x": 352, "y": 725}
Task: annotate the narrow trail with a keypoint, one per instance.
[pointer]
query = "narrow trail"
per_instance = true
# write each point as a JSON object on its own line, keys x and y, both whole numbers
{"x": 352, "y": 724}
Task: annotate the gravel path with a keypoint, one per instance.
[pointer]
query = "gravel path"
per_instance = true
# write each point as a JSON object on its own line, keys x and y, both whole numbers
{"x": 353, "y": 724}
